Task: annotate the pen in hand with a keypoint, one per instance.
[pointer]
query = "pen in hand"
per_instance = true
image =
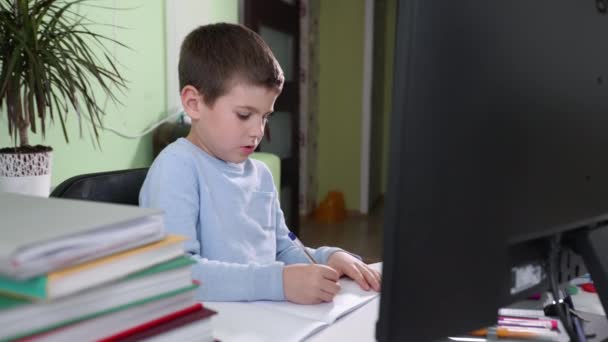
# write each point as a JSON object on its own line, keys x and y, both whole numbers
{"x": 297, "y": 242}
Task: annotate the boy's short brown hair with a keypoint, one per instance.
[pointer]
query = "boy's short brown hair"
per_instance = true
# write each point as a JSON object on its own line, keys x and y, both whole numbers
{"x": 214, "y": 57}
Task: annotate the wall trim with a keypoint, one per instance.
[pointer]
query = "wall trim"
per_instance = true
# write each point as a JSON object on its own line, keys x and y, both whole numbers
{"x": 366, "y": 106}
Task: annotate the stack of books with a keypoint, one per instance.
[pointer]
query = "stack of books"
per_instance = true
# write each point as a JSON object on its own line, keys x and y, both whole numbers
{"x": 84, "y": 271}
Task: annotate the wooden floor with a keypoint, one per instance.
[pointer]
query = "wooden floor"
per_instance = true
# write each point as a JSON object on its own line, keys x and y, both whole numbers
{"x": 360, "y": 234}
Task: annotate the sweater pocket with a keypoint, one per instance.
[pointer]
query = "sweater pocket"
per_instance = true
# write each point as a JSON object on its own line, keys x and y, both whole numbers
{"x": 261, "y": 208}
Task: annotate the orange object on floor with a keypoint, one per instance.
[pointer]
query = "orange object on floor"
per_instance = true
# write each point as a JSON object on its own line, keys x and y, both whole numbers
{"x": 331, "y": 209}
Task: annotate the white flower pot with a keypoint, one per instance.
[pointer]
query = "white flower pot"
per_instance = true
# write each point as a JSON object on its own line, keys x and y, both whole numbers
{"x": 26, "y": 173}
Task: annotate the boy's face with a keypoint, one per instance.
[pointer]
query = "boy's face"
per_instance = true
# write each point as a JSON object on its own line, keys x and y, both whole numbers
{"x": 233, "y": 127}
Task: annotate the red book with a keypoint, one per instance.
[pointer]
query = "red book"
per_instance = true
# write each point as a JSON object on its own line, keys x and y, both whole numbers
{"x": 163, "y": 324}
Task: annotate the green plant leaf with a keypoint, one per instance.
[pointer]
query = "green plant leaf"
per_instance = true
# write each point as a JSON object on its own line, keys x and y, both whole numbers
{"x": 48, "y": 65}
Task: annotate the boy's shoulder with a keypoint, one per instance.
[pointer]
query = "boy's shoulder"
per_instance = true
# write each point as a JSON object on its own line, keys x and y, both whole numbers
{"x": 175, "y": 146}
{"x": 174, "y": 165}
{"x": 176, "y": 151}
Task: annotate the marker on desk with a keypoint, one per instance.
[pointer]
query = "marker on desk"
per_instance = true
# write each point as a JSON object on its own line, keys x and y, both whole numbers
{"x": 297, "y": 242}
{"x": 528, "y": 322}
{"x": 520, "y": 333}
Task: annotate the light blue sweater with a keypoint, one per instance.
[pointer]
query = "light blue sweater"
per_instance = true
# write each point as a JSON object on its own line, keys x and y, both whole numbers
{"x": 231, "y": 215}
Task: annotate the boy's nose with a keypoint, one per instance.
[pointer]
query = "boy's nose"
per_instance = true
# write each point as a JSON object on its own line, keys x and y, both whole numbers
{"x": 257, "y": 129}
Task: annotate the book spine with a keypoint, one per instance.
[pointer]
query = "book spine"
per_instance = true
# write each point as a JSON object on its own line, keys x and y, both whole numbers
{"x": 49, "y": 329}
{"x": 153, "y": 323}
{"x": 35, "y": 288}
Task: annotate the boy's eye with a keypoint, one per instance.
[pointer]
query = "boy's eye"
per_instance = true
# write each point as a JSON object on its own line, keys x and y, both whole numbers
{"x": 243, "y": 116}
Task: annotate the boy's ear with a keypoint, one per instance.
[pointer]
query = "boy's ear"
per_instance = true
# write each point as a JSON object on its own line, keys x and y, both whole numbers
{"x": 192, "y": 102}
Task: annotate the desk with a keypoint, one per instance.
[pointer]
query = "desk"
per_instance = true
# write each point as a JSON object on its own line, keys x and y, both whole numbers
{"x": 237, "y": 325}
{"x": 360, "y": 325}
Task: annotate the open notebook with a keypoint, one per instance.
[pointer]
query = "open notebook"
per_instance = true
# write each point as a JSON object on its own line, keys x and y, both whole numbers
{"x": 285, "y": 321}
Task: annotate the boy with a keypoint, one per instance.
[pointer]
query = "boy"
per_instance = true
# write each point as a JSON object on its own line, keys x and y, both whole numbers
{"x": 224, "y": 202}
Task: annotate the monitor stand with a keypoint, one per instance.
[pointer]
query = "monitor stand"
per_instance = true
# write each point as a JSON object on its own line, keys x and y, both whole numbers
{"x": 592, "y": 246}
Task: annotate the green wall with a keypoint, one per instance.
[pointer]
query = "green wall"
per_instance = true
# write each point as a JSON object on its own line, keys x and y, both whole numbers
{"x": 223, "y": 10}
{"x": 341, "y": 29}
{"x": 144, "y": 102}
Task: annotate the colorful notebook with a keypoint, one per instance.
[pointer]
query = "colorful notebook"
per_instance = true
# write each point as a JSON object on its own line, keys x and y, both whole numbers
{"x": 116, "y": 320}
{"x": 80, "y": 277}
{"x": 20, "y": 317}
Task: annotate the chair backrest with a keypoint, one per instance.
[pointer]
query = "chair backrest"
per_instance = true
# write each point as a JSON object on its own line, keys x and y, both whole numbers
{"x": 112, "y": 186}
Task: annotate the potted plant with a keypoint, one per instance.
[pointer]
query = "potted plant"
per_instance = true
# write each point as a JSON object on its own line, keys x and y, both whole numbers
{"x": 49, "y": 63}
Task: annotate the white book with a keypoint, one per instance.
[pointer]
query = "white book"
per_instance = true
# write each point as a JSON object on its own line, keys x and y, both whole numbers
{"x": 39, "y": 235}
{"x": 257, "y": 321}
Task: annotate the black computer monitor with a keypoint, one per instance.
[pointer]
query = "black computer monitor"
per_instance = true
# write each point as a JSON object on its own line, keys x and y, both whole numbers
{"x": 498, "y": 157}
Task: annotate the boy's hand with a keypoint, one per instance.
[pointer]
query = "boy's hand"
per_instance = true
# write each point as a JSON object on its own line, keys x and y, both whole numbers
{"x": 353, "y": 268}
{"x": 310, "y": 284}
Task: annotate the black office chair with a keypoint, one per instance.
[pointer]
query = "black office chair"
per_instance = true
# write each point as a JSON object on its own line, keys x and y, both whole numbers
{"x": 112, "y": 186}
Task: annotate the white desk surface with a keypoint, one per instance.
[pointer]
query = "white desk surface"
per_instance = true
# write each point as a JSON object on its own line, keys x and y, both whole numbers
{"x": 359, "y": 325}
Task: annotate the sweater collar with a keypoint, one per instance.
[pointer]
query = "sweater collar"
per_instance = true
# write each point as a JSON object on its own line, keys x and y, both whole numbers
{"x": 221, "y": 164}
